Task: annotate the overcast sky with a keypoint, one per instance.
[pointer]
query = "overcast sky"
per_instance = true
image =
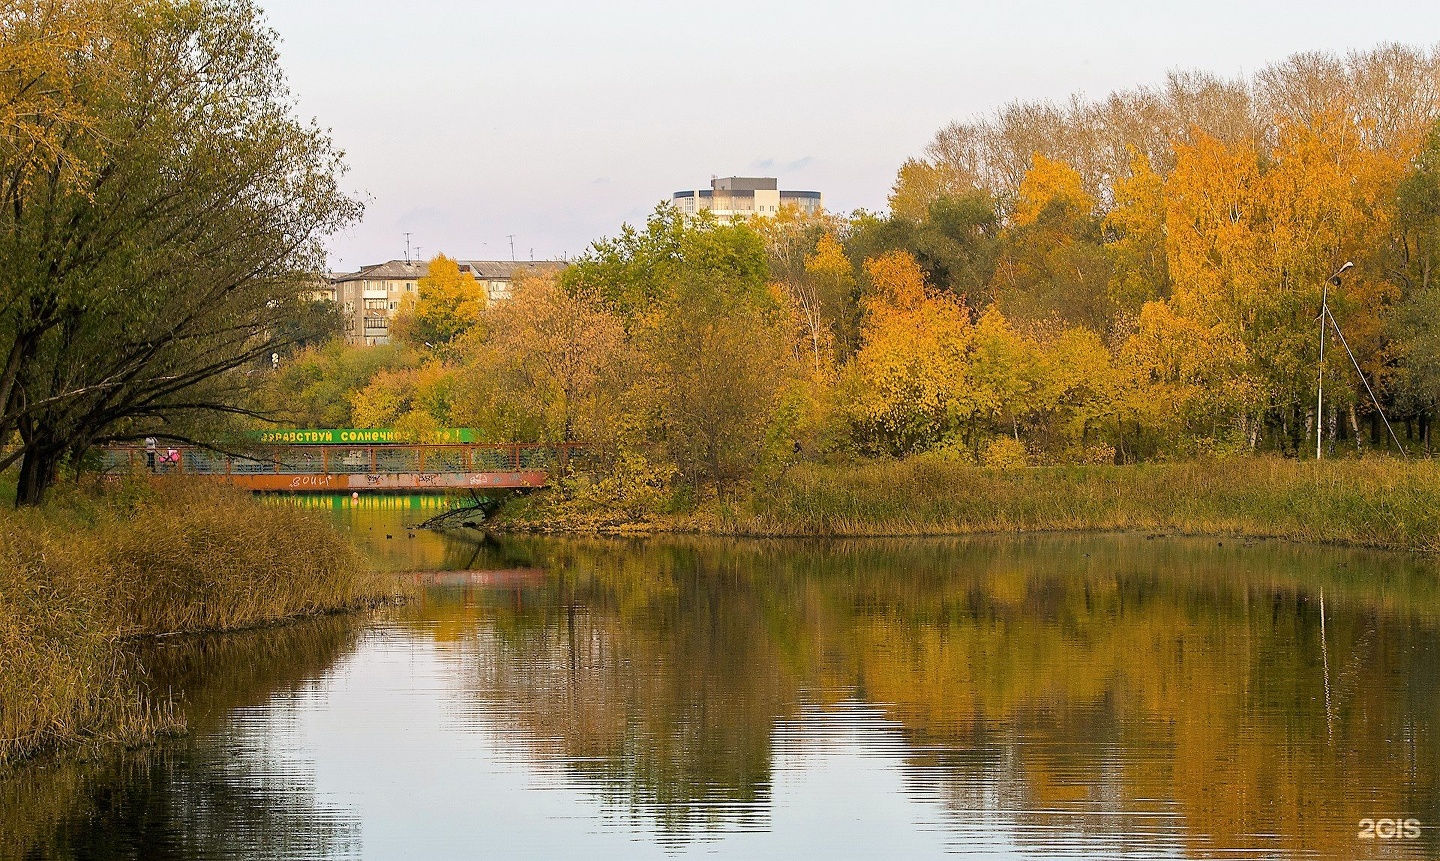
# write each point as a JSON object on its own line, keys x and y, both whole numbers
{"x": 466, "y": 121}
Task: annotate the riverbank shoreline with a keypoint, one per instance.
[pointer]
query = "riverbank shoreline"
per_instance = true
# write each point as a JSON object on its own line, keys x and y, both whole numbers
{"x": 89, "y": 576}
{"x": 1378, "y": 503}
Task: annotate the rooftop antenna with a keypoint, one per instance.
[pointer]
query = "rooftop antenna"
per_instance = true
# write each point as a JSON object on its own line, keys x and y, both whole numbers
{"x": 417, "y": 254}
{"x": 407, "y": 248}
{"x": 532, "y": 255}
{"x": 512, "y": 247}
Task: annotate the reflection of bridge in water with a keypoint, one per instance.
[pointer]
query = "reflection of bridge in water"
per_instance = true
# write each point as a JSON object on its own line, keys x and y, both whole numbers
{"x": 346, "y": 468}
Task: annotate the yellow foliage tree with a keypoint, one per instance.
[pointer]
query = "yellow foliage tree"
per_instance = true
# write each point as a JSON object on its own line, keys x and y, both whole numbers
{"x": 920, "y": 183}
{"x": 816, "y": 300}
{"x": 414, "y": 401}
{"x": 1050, "y": 183}
{"x": 1052, "y": 266}
{"x": 1252, "y": 241}
{"x": 548, "y": 366}
{"x": 42, "y": 122}
{"x": 897, "y": 284}
{"x": 907, "y": 387}
{"x": 1180, "y": 384}
{"x": 1136, "y": 224}
{"x": 447, "y": 304}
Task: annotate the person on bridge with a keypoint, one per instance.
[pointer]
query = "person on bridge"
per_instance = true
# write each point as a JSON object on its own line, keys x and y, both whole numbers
{"x": 150, "y": 445}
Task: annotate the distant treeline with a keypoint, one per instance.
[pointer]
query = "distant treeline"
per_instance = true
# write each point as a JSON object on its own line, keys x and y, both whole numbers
{"x": 1133, "y": 279}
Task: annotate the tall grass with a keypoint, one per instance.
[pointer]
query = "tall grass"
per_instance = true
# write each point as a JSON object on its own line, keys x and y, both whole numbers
{"x": 1378, "y": 502}
{"x": 81, "y": 576}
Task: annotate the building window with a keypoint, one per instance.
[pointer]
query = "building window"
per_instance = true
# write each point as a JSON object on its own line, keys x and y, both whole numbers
{"x": 375, "y": 304}
{"x": 392, "y": 306}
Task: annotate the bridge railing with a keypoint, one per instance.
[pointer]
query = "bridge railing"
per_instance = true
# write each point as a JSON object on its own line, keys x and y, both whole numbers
{"x": 347, "y": 459}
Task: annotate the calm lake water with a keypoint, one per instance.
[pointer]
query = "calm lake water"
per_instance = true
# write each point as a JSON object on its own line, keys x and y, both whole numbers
{"x": 1019, "y": 697}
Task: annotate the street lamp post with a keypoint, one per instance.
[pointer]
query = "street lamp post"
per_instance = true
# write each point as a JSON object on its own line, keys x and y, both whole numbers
{"x": 1320, "y": 398}
{"x": 1320, "y": 389}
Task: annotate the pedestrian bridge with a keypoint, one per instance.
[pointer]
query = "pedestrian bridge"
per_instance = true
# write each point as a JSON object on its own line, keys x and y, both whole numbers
{"x": 350, "y": 468}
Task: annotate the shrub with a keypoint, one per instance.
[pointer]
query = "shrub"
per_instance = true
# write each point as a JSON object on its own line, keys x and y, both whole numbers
{"x": 1004, "y": 452}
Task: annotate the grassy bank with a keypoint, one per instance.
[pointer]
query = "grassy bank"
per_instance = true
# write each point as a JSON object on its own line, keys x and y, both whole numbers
{"x": 1377, "y": 502}
{"x": 81, "y": 576}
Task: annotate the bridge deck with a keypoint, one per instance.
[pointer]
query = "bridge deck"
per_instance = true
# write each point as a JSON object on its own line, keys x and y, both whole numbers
{"x": 332, "y": 469}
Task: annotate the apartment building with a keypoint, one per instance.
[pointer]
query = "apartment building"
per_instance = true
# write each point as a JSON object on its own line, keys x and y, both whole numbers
{"x": 497, "y": 277}
{"x": 732, "y": 197}
{"x": 370, "y": 297}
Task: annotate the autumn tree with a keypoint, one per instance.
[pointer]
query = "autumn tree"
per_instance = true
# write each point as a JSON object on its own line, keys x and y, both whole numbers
{"x": 142, "y": 281}
{"x": 416, "y": 402}
{"x": 1051, "y": 263}
{"x": 54, "y": 55}
{"x": 1262, "y": 238}
{"x": 816, "y": 296}
{"x": 714, "y": 362}
{"x": 314, "y": 387}
{"x": 921, "y": 183}
{"x": 954, "y": 239}
{"x": 812, "y": 280}
{"x": 550, "y": 365}
{"x": 1135, "y": 228}
{"x": 908, "y": 387}
{"x": 711, "y": 344}
{"x": 446, "y": 304}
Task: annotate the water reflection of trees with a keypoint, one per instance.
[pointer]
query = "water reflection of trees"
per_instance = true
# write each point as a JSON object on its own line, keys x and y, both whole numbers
{"x": 654, "y": 693}
{"x": 1179, "y": 683}
{"x": 216, "y": 794}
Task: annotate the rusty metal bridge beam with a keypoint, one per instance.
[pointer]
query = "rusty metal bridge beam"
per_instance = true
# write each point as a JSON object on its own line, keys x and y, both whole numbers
{"x": 278, "y": 467}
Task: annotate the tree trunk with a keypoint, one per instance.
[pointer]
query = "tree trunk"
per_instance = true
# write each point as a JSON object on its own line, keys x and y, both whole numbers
{"x": 37, "y": 475}
{"x": 1355, "y": 428}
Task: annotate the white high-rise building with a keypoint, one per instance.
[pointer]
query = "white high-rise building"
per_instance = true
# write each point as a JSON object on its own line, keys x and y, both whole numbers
{"x": 733, "y": 197}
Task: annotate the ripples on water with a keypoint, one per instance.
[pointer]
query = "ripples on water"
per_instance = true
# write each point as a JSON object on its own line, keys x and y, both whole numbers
{"x": 1060, "y": 697}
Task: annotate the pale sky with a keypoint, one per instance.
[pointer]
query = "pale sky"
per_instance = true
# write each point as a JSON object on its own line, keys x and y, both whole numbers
{"x": 557, "y": 120}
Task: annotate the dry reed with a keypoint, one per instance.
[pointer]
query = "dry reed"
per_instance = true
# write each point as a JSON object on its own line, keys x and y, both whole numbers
{"x": 92, "y": 569}
{"x": 1373, "y": 502}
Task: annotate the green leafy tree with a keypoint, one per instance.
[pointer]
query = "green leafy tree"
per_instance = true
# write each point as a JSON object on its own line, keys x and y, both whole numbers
{"x": 711, "y": 346}
{"x": 1414, "y": 328}
{"x": 713, "y": 366}
{"x": 137, "y": 291}
{"x": 639, "y": 269}
{"x": 315, "y": 387}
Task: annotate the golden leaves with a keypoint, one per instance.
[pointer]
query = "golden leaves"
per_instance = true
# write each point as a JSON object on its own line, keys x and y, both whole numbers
{"x": 448, "y": 304}
{"x": 1050, "y": 184}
